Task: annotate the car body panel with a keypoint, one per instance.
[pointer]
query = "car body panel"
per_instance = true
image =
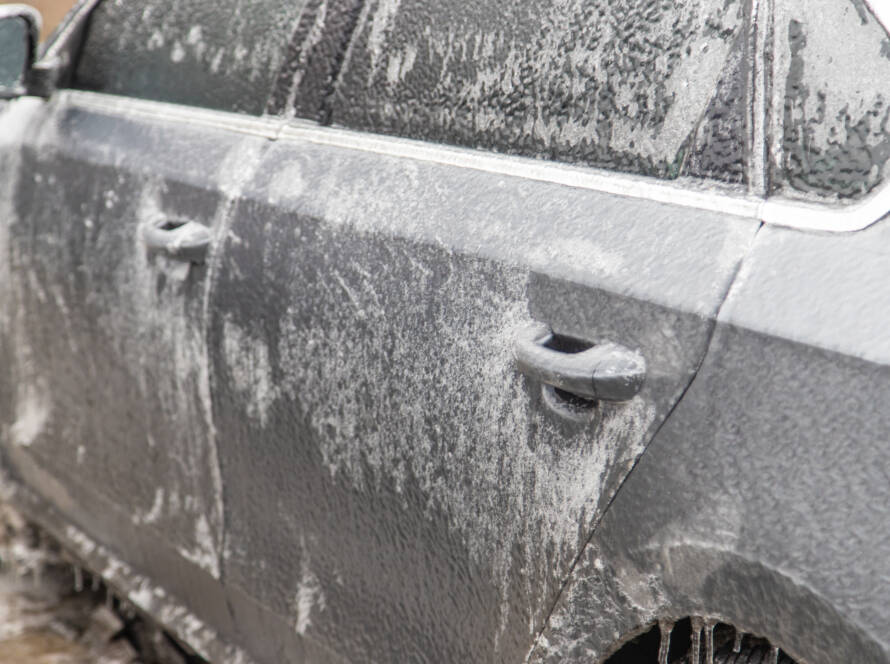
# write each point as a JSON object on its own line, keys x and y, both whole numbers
{"x": 108, "y": 369}
{"x": 457, "y": 278}
{"x": 367, "y": 401}
{"x": 762, "y": 501}
{"x": 316, "y": 446}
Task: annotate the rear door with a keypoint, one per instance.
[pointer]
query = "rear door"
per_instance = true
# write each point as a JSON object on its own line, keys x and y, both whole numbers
{"x": 394, "y": 486}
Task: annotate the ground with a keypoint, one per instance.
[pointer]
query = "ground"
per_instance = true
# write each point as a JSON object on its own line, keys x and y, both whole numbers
{"x": 53, "y": 612}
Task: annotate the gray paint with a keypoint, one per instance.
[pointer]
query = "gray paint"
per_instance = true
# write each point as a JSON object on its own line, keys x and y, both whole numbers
{"x": 340, "y": 286}
{"x": 110, "y": 369}
{"x": 762, "y": 500}
{"x": 335, "y": 389}
{"x": 362, "y": 331}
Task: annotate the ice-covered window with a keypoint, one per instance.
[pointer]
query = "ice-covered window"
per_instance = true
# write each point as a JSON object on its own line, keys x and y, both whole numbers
{"x": 831, "y": 87}
{"x": 223, "y": 54}
{"x": 656, "y": 88}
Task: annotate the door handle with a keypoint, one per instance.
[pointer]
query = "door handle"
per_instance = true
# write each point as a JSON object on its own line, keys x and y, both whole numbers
{"x": 604, "y": 372}
{"x": 186, "y": 241}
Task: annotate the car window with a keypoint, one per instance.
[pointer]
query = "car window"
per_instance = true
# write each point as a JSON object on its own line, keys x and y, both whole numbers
{"x": 223, "y": 54}
{"x": 832, "y": 86}
{"x": 655, "y": 88}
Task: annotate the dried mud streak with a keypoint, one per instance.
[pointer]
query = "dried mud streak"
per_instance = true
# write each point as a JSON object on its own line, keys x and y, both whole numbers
{"x": 595, "y": 527}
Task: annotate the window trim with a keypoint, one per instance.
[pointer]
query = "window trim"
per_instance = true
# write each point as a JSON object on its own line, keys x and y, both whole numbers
{"x": 775, "y": 211}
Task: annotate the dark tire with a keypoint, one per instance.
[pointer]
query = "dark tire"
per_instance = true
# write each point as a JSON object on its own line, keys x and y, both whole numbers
{"x": 750, "y": 653}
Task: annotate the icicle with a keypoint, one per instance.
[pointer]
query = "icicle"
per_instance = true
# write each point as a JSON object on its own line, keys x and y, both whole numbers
{"x": 665, "y": 627}
{"x": 709, "y": 641}
{"x": 695, "y": 652}
{"x": 737, "y": 646}
{"x": 78, "y": 579}
{"x": 109, "y": 598}
{"x": 94, "y": 583}
{"x": 774, "y": 655}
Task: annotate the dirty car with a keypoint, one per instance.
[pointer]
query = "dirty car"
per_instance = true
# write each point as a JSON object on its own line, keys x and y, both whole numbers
{"x": 389, "y": 331}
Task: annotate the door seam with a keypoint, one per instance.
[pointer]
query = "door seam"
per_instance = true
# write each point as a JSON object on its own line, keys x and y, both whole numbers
{"x": 707, "y": 349}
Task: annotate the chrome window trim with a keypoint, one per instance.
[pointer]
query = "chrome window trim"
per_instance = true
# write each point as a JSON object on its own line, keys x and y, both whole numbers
{"x": 775, "y": 210}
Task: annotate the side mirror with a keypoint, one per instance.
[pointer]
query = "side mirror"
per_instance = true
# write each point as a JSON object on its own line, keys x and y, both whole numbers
{"x": 19, "y": 36}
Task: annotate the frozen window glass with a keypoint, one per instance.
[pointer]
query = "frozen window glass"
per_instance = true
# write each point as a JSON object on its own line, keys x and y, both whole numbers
{"x": 224, "y": 54}
{"x": 831, "y": 85}
{"x": 657, "y": 88}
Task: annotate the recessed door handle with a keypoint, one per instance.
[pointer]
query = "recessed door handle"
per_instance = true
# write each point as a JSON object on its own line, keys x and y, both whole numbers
{"x": 181, "y": 240}
{"x": 604, "y": 372}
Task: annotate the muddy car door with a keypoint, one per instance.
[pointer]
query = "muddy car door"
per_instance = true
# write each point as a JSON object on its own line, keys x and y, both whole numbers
{"x": 110, "y": 218}
{"x": 396, "y": 488}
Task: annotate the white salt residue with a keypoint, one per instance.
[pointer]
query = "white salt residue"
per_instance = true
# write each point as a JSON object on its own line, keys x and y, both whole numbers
{"x": 155, "y": 602}
{"x": 194, "y": 35}
{"x": 400, "y": 64}
{"x": 85, "y": 546}
{"x": 177, "y": 53}
{"x": 585, "y": 256}
{"x": 32, "y": 414}
{"x": 309, "y": 595}
{"x": 384, "y": 16}
{"x": 239, "y": 165}
{"x": 451, "y": 341}
{"x": 156, "y": 41}
{"x": 690, "y": 82}
{"x": 16, "y": 118}
{"x": 154, "y": 513}
{"x": 288, "y": 183}
{"x": 654, "y": 102}
{"x": 204, "y": 552}
{"x": 250, "y": 370}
